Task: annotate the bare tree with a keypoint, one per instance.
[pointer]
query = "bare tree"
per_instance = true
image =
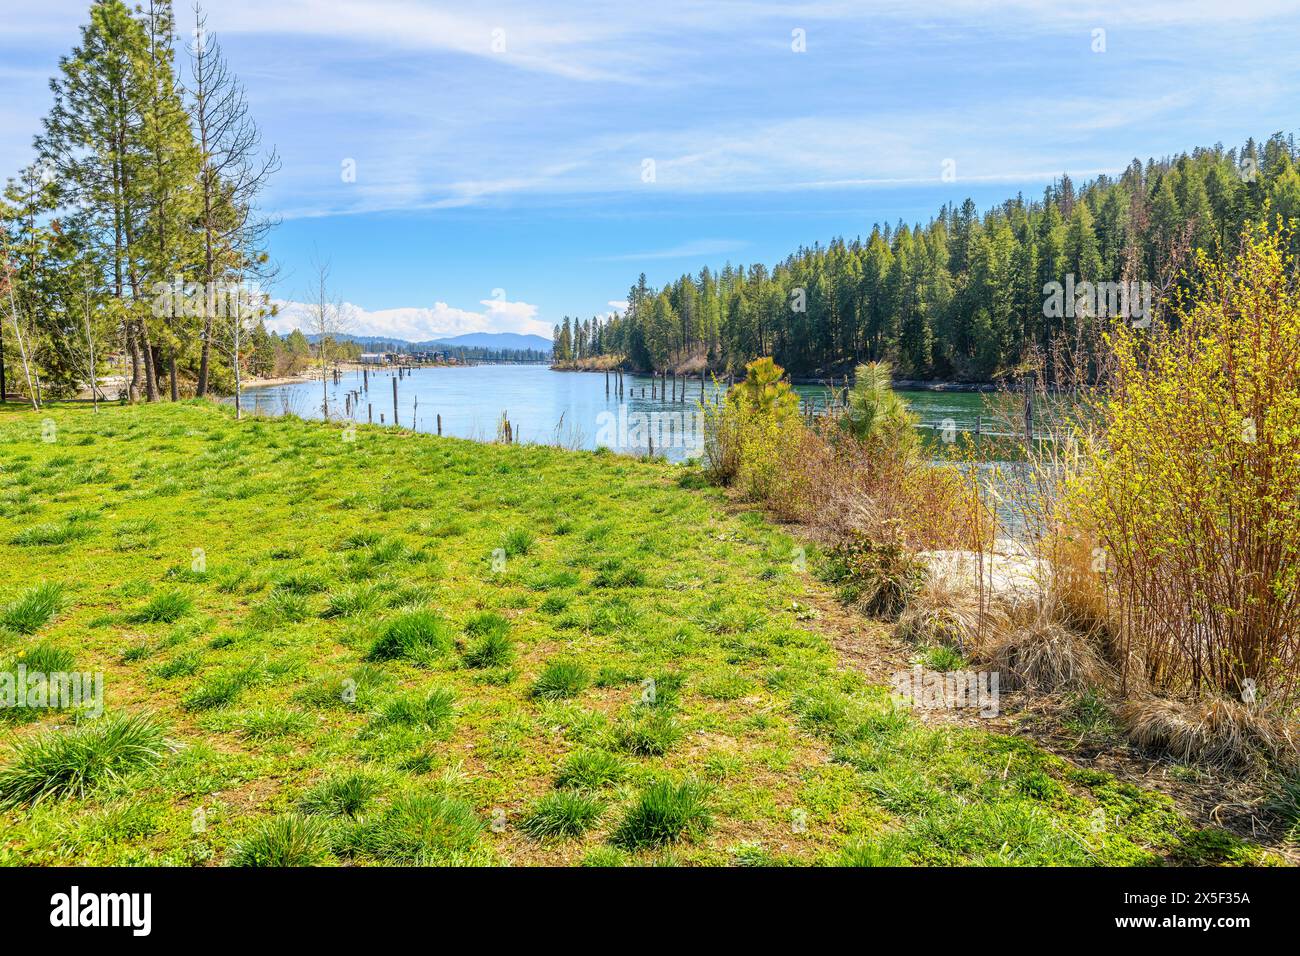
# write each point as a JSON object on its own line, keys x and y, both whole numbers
{"x": 233, "y": 172}
{"x": 326, "y": 322}
{"x": 8, "y": 279}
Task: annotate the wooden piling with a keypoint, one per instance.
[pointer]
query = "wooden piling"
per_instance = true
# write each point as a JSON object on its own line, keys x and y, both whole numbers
{"x": 394, "y": 400}
{"x": 370, "y": 413}
{"x": 439, "y": 425}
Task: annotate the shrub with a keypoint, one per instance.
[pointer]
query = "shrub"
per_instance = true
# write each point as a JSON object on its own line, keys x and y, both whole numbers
{"x": 878, "y": 577}
{"x": 1194, "y": 493}
{"x": 664, "y": 813}
{"x": 63, "y": 763}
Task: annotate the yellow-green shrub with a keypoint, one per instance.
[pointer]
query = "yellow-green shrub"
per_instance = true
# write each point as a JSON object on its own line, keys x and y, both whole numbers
{"x": 1194, "y": 490}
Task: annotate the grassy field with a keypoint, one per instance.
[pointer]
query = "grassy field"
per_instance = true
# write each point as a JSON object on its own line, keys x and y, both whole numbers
{"x": 361, "y": 647}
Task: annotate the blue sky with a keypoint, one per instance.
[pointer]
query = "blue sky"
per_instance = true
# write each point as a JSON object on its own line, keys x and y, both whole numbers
{"x": 500, "y": 148}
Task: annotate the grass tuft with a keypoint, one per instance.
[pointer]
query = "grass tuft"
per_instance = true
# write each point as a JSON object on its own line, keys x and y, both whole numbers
{"x": 560, "y": 680}
{"x": 665, "y": 812}
{"x": 288, "y": 840}
{"x": 562, "y": 814}
{"x": 69, "y": 763}
{"x": 35, "y": 608}
{"x": 417, "y": 636}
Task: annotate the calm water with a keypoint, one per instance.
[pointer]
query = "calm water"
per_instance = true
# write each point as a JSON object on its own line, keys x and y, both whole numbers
{"x": 565, "y": 408}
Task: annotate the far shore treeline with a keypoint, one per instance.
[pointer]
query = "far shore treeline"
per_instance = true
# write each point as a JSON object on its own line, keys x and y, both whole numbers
{"x": 962, "y": 297}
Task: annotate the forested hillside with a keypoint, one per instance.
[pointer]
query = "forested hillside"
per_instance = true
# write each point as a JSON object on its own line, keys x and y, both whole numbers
{"x": 961, "y": 297}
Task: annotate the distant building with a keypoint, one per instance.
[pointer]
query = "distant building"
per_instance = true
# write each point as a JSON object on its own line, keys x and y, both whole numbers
{"x": 374, "y": 358}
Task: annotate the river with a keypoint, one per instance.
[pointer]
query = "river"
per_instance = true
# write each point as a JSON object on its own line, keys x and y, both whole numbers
{"x": 571, "y": 409}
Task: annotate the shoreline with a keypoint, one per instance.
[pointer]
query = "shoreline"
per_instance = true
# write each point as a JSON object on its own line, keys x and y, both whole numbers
{"x": 903, "y": 384}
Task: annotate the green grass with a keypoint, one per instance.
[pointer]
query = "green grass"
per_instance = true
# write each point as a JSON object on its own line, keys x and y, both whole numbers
{"x": 665, "y": 812}
{"x": 69, "y": 763}
{"x": 560, "y": 680}
{"x": 164, "y": 608}
{"x": 590, "y": 770}
{"x": 289, "y": 840}
{"x": 33, "y": 609}
{"x": 562, "y": 814}
{"x": 354, "y": 678}
{"x": 345, "y": 796}
{"x": 418, "y": 636}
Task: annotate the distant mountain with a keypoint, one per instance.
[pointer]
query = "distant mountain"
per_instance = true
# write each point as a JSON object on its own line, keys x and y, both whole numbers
{"x": 496, "y": 340}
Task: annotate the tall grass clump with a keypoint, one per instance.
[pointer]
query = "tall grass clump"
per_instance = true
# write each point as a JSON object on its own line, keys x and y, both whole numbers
{"x": 288, "y": 840}
{"x": 33, "y": 609}
{"x": 561, "y": 814}
{"x": 419, "y": 636}
{"x": 664, "y": 812}
{"x": 560, "y": 680}
{"x": 69, "y": 763}
{"x": 419, "y": 829}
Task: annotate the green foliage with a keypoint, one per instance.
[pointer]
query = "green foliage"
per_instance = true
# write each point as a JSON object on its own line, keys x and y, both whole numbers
{"x": 1194, "y": 486}
{"x": 878, "y": 577}
{"x": 876, "y": 415}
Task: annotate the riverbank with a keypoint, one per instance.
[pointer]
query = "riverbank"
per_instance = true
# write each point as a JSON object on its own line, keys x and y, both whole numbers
{"x": 492, "y": 644}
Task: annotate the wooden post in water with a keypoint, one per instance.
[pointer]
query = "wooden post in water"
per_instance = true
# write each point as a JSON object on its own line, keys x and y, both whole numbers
{"x": 1029, "y": 409}
{"x": 440, "y": 425}
{"x": 370, "y": 413}
{"x": 415, "y": 415}
{"x": 607, "y": 383}
{"x": 365, "y": 378}
{"x": 394, "y": 400}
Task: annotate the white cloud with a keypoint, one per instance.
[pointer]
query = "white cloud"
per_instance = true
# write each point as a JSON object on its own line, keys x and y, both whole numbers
{"x": 418, "y": 324}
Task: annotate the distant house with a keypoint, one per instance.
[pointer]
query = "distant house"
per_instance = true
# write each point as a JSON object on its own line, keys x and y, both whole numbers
{"x": 374, "y": 358}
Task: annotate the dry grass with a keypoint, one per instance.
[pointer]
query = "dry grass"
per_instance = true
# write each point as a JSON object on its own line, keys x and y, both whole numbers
{"x": 1047, "y": 657}
{"x": 1210, "y": 730}
{"x": 944, "y": 613}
